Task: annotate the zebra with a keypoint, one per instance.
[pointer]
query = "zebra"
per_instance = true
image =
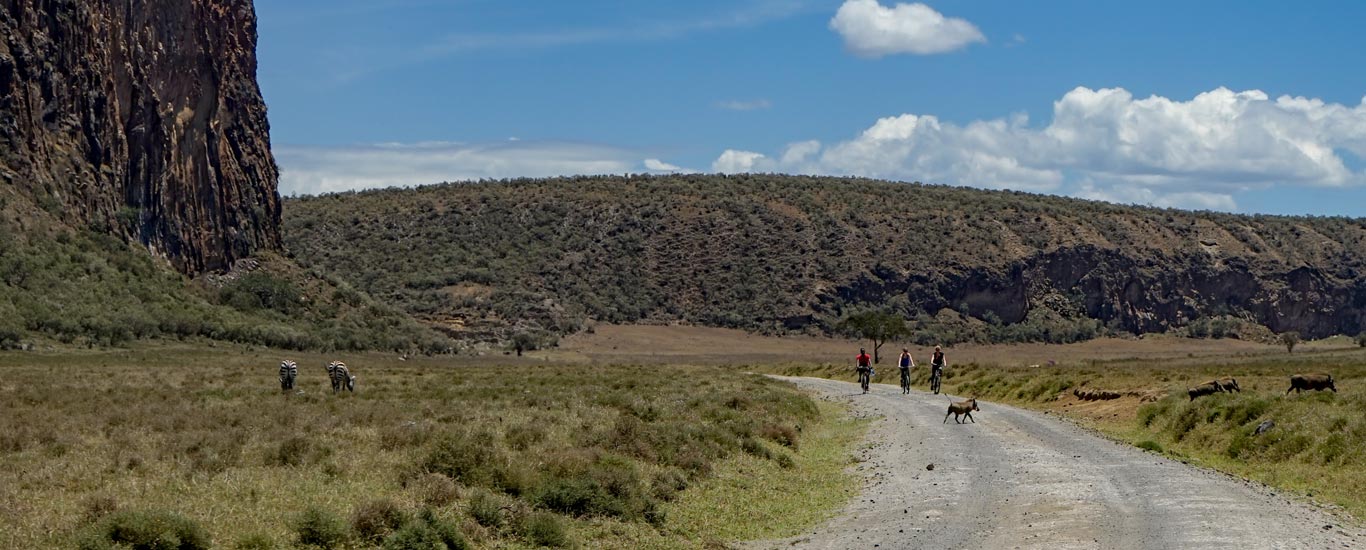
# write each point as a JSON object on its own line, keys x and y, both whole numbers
{"x": 340, "y": 377}
{"x": 288, "y": 372}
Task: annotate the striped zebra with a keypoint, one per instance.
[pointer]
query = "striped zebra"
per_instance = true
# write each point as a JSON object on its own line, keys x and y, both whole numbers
{"x": 340, "y": 377}
{"x": 288, "y": 372}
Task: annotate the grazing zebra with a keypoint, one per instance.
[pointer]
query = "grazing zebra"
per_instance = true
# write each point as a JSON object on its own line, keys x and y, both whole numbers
{"x": 340, "y": 377}
{"x": 288, "y": 372}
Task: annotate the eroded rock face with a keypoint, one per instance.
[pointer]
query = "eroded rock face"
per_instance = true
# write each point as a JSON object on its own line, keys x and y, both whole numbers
{"x": 143, "y": 117}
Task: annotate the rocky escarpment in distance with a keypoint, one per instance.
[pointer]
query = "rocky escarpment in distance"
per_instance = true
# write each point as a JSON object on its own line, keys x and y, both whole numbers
{"x": 793, "y": 253}
{"x": 143, "y": 119}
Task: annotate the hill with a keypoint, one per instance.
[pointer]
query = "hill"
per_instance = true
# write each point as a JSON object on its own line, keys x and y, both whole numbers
{"x": 138, "y": 193}
{"x": 790, "y": 253}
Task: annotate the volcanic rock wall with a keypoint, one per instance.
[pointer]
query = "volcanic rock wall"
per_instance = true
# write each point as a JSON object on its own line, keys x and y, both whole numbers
{"x": 142, "y": 118}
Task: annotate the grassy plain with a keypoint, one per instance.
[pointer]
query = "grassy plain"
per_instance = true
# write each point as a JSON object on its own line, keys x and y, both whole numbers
{"x": 496, "y": 452}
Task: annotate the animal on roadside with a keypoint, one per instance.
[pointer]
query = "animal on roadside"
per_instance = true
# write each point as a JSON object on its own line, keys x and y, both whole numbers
{"x": 1317, "y": 381}
{"x": 961, "y": 408}
{"x": 1202, "y": 390}
{"x": 288, "y": 372}
{"x": 341, "y": 377}
{"x": 1227, "y": 384}
{"x": 1095, "y": 395}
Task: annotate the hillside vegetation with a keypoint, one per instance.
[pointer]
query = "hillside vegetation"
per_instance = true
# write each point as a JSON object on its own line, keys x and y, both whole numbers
{"x": 87, "y": 287}
{"x": 786, "y": 253}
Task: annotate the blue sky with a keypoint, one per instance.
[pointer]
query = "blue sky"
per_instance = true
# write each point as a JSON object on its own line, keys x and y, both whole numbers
{"x": 1237, "y": 106}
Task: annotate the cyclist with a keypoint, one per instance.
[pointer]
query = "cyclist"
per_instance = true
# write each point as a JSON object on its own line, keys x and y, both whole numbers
{"x": 906, "y": 363}
{"x": 937, "y": 365}
{"x": 865, "y": 369}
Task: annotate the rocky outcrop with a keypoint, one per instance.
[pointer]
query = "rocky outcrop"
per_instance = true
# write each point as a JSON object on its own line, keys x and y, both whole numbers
{"x": 142, "y": 118}
{"x": 1154, "y": 293}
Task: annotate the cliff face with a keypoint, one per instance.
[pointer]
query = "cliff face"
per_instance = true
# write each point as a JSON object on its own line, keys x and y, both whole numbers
{"x": 142, "y": 116}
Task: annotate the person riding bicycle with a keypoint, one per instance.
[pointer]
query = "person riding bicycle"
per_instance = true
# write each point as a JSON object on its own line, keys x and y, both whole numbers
{"x": 865, "y": 369}
{"x": 937, "y": 365}
{"x": 906, "y": 363}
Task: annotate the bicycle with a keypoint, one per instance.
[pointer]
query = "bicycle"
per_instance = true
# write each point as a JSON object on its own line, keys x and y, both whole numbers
{"x": 864, "y": 375}
{"x": 905, "y": 381}
{"x": 936, "y": 376}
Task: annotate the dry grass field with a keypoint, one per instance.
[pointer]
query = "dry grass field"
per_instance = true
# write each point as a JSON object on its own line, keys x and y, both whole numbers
{"x": 199, "y": 445}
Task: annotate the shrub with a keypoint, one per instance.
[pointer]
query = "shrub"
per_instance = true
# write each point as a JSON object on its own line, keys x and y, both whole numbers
{"x": 1289, "y": 339}
{"x": 475, "y": 460}
{"x": 317, "y": 527}
{"x": 259, "y": 290}
{"x": 783, "y": 435}
{"x": 610, "y": 486}
{"x": 436, "y": 489}
{"x": 146, "y": 529}
{"x": 1150, "y": 445}
{"x": 374, "y": 520}
{"x": 1361, "y": 339}
{"x": 299, "y": 451}
{"x": 487, "y": 509}
{"x": 427, "y": 532}
{"x": 545, "y": 529}
{"x": 258, "y": 541}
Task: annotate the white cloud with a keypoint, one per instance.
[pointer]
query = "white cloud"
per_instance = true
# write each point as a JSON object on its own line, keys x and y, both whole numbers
{"x": 311, "y": 170}
{"x": 732, "y": 161}
{"x": 872, "y": 30}
{"x": 738, "y": 105}
{"x": 1105, "y": 144}
{"x": 660, "y": 166}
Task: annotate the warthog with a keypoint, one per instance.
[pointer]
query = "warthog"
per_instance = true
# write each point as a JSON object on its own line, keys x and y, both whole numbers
{"x": 1096, "y": 395}
{"x": 961, "y": 408}
{"x": 1317, "y": 381}
{"x": 1203, "y": 389}
{"x": 1226, "y": 385}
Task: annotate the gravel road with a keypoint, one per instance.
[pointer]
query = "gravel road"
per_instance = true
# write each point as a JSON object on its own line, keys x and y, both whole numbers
{"x": 1021, "y": 479}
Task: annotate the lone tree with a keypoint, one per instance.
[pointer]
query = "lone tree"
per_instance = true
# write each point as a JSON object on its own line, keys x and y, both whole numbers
{"x": 1290, "y": 339}
{"x": 878, "y": 326}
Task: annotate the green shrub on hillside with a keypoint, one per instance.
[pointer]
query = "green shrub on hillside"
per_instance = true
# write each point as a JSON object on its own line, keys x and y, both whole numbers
{"x": 87, "y": 288}
{"x": 146, "y": 529}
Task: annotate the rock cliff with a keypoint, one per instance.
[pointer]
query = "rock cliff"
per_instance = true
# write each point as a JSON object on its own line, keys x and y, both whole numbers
{"x": 142, "y": 118}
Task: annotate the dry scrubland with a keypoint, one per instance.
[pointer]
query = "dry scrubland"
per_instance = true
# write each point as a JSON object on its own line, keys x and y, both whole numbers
{"x": 200, "y": 444}
{"x": 1317, "y": 447}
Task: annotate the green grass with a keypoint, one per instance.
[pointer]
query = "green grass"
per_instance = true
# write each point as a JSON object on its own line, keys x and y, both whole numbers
{"x": 508, "y": 456}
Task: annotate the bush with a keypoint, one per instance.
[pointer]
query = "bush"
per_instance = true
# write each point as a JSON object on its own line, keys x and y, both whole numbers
{"x": 299, "y": 451}
{"x": 609, "y": 486}
{"x": 427, "y": 532}
{"x": 1361, "y": 339}
{"x": 1150, "y": 445}
{"x": 475, "y": 460}
{"x": 487, "y": 509}
{"x": 545, "y": 529}
{"x": 317, "y": 527}
{"x": 259, "y": 290}
{"x": 258, "y": 541}
{"x": 374, "y": 520}
{"x": 146, "y": 529}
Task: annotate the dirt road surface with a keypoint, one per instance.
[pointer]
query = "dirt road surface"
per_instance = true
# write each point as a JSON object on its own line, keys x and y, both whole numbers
{"x": 1021, "y": 479}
